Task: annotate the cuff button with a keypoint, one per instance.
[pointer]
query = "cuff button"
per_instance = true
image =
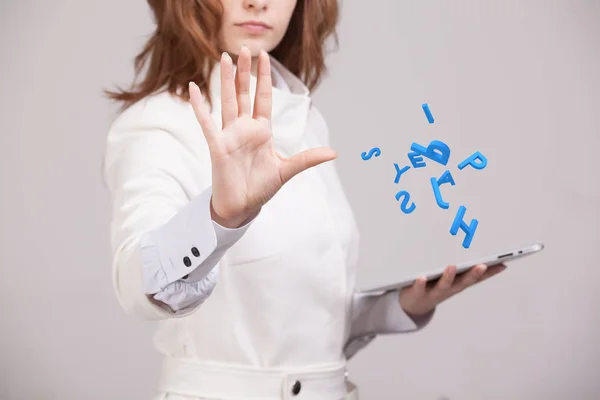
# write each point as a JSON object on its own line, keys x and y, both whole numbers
{"x": 296, "y": 388}
{"x": 195, "y": 252}
{"x": 187, "y": 262}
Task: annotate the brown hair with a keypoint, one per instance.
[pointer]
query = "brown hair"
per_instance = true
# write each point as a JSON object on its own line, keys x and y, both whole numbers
{"x": 185, "y": 47}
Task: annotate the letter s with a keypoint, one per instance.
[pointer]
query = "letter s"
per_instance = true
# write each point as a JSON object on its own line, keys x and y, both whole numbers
{"x": 375, "y": 150}
{"x": 405, "y": 202}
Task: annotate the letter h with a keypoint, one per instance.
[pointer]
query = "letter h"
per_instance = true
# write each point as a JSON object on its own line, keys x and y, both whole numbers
{"x": 460, "y": 223}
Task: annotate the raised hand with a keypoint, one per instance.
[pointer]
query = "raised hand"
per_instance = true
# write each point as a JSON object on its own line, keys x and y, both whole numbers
{"x": 246, "y": 170}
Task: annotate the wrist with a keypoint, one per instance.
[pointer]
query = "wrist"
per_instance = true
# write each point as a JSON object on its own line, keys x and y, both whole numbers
{"x": 229, "y": 222}
{"x": 414, "y": 309}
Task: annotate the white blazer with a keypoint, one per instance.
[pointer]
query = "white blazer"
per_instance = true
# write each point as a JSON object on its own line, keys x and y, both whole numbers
{"x": 266, "y": 310}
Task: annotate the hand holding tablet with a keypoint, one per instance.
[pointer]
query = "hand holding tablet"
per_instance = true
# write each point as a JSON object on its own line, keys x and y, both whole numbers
{"x": 434, "y": 275}
{"x": 420, "y": 295}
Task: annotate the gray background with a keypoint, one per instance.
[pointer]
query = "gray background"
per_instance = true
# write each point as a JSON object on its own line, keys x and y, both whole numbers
{"x": 517, "y": 80}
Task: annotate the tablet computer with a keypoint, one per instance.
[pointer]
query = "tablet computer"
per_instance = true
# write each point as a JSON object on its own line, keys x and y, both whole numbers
{"x": 492, "y": 260}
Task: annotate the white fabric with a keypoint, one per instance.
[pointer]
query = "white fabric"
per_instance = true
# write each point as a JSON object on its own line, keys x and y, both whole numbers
{"x": 279, "y": 81}
{"x": 285, "y": 299}
{"x": 188, "y": 377}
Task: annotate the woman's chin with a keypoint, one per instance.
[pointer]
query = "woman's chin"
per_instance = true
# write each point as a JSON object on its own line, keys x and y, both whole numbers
{"x": 255, "y": 45}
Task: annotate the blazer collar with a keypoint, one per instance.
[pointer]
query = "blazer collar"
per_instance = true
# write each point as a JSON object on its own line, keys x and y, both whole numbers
{"x": 290, "y": 108}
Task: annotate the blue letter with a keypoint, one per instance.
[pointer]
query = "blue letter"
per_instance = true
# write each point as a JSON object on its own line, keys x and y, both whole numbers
{"x": 446, "y": 178}
{"x": 435, "y": 184}
{"x": 374, "y": 150}
{"x": 416, "y": 160}
{"x": 428, "y": 113}
{"x": 438, "y": 196}
{"x": 405, "y": 201}
{"x": 460, "y": 223}
{"x": 399, "y": 172}
{"x": 437, "y": 151}
{"x": 471, "y": 161}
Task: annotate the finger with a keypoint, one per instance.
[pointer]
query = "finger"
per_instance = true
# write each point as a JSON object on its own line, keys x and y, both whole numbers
{"x": 445, "y": 282}
{"x": 419, "y": 287}
{"x": 491, "y": 271}
{"x": 472, "y": 276}
{"x": 264, "y": 87}
{"x": 202, "y": 112}
{"x": 229, "y": 111}
{"x": 242, "y": 81}
{"x": 290, "y": 167}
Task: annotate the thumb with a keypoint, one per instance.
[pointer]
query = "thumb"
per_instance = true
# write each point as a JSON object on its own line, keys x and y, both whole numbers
{"x": 292, "y": 166}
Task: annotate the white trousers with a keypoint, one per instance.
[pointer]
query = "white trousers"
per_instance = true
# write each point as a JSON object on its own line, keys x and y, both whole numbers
{"x": 186, "y": 380}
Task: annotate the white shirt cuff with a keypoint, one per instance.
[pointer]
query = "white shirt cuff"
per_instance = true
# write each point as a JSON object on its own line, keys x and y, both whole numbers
{"x": 382, "y": 314}
{"x": 189, "y": 245}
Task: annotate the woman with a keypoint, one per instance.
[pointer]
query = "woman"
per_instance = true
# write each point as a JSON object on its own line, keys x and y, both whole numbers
{"x": 229, "y": 222}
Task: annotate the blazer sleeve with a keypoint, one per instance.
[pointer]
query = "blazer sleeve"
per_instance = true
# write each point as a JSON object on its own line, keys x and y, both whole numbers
{"x": 376, "y": 314}
{"x": 164, "y": 242}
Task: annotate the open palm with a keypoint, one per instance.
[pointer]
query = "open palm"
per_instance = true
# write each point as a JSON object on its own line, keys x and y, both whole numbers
{"x": 246, "y": 170}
